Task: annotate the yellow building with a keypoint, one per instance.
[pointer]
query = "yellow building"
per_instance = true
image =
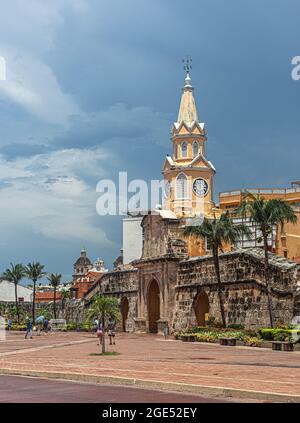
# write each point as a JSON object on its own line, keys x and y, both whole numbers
{"x": 189, "y": 184}
{"x": 286, "y": 239}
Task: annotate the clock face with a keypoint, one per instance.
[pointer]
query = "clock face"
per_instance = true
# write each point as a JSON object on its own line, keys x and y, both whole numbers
{"x": 168, "y": 188}
{"x": 200, "y": 187}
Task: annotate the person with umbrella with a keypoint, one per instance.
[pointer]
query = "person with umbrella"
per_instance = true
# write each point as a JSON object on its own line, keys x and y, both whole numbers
{"x": 39, "y": 322}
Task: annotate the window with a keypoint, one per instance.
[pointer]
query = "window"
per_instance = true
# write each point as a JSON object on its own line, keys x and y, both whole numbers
{"x": 181, "y": 187}
{"x": 184, "y": 149}
{"x": 195, "y": 148}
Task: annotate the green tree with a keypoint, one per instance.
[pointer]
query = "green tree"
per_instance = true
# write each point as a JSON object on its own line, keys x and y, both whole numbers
{"x": 218, "y": 232}
{"x": 65, "y": 294}
{"x": 54, "y": 280}
{"x": 103, "y": 308}
{"x": 15, "y": 274}
{"x": 266, "y": 214}
{"x": 35, "y": 272}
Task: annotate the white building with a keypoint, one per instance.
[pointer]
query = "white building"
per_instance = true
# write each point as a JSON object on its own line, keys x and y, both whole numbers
{"x": 132, "y": 238}
{"x": 7, "y": 292}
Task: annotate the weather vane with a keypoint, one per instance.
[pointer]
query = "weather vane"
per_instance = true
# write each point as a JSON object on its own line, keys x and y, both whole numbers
{"x": 187, "y": 64}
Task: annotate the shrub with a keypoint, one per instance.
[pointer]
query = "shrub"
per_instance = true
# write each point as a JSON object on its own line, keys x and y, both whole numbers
{"x": 206, "y": 337}
{"x": 197, "y": 329}
{"x": 187, "y": 337}
{"x": 71, "y": 326}
{"x": 269, "y": 334}
{"x": 281, "y": 325}
{"x": 252, "y": 341}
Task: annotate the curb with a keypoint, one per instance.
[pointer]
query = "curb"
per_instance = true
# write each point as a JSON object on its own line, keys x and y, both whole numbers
{"x": 216, "y": 391}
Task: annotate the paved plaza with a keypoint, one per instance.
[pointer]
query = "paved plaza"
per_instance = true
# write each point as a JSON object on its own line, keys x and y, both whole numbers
{"x": 150, "y": 362}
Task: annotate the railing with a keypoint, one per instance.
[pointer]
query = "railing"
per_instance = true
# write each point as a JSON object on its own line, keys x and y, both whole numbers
{"x": 281, "y": 191}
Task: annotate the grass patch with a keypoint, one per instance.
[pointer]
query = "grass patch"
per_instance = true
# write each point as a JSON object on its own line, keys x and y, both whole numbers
{"x": 106, "y": 353}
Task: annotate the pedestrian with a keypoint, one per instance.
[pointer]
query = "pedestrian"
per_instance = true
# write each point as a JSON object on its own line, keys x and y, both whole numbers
{"x": 9, "y": 324}
{"x": 166, "y": 330}
{"x": 111, "y": 331}
{"x": 28, "y": 329}
{"x": 46, "y": 325}
{"x": 99, "y": 333}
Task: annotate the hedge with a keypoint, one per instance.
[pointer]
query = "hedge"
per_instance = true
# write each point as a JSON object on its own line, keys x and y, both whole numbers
{"x": 269, "y": 334}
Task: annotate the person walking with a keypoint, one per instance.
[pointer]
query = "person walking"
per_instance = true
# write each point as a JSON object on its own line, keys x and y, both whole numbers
{"x": 111, "y": 331}
{"x": 166, "y": 330}
{"x": 46, "y": 325}
{"x": 28, "y": 329}
{"x": 9, "y": 324}
{"x": 99, "y": 333}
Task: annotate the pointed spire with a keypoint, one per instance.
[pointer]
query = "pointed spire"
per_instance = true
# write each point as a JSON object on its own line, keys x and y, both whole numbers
{"x": 187, "y": 111}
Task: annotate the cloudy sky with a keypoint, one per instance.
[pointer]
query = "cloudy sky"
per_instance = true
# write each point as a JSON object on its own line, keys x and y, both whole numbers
{"x": 93, "y": 87}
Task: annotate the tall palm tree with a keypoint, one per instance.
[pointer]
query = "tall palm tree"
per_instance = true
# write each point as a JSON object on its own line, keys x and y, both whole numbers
{"x": 34, "y": 272}
{"x": 218, "y": 232}
{"x": 266, "y": 214}
{"x": 54, "y": 280}
{"x": 15, "y": 274}
{"x": 102, "y": 308}
{"x": 65, "y": 294}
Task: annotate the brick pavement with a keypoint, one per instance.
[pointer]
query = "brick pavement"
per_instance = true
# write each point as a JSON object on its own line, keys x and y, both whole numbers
{"x": 151, "y": 358}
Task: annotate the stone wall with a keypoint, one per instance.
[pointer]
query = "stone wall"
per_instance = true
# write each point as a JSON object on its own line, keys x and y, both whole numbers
{"x": 122, "y": 284}
{"x": 74, "y": 311}
{"x": 161, "y": 237}
{"x": 245, "y": 299}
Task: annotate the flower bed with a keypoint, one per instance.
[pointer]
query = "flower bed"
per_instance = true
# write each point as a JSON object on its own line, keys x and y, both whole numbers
{"x": 279, "y": 334}
{"x": 207, "y": 334}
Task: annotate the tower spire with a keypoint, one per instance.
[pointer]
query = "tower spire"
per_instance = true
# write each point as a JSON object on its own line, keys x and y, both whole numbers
{"x": 187, "y": 111}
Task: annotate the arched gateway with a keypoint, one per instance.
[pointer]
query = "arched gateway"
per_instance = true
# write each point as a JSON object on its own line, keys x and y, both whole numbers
{"x": 201, "y": 307}
{"x": 124, "y": 312}
{"x": 153, "y": 306}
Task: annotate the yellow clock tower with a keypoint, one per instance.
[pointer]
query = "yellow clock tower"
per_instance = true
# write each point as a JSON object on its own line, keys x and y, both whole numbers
{"x": 188, "y": 175}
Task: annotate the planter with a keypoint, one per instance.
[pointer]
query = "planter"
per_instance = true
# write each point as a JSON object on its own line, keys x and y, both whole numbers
{"x": 288, "y": 346}
{"x": 277, "y": 345}
{"x": 187, "y": 338}
{"x": 228, "y": 341}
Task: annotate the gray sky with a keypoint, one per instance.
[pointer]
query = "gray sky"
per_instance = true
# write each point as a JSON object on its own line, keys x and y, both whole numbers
{"x": 93, "y": 88}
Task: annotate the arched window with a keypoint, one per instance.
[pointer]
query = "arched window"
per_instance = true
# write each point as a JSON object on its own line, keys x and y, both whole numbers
{"x": 184, "y": 149}
{"x": 195, "y": 148}
{"x": 181, "y": 187}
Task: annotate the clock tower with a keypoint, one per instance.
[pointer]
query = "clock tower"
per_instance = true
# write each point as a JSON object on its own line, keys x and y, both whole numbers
{"x": 188, "y": 175}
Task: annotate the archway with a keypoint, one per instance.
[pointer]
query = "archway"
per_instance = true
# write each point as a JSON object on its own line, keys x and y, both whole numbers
{"x": 201, "y": 307}
{"x": 153, "y": 306}
{"x": 124, "y": 312}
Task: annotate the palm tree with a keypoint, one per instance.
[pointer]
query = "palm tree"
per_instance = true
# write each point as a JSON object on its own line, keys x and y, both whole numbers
{"x": 15, "y": 274}
{"x": 266, "y": 214}
{"x": 102, "y": 308}
{"x": 65, "y": 294}
{"x": 218, "y": 232}
{"x": 34, "y": 272}
{"x": 54, "y": 280}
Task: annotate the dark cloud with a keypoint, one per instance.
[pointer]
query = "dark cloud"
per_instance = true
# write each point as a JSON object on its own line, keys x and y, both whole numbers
{"x": 109, "y": 75}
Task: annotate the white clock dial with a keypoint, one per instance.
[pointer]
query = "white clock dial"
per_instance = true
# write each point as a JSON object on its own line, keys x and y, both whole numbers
{"x": 200, "y": 187}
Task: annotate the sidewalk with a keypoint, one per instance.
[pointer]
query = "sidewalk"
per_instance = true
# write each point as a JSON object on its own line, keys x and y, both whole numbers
{"x": 150, "y": 361}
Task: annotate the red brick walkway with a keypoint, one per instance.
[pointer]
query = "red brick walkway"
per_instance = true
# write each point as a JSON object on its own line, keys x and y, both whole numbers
{"x": 152, "y": 358}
